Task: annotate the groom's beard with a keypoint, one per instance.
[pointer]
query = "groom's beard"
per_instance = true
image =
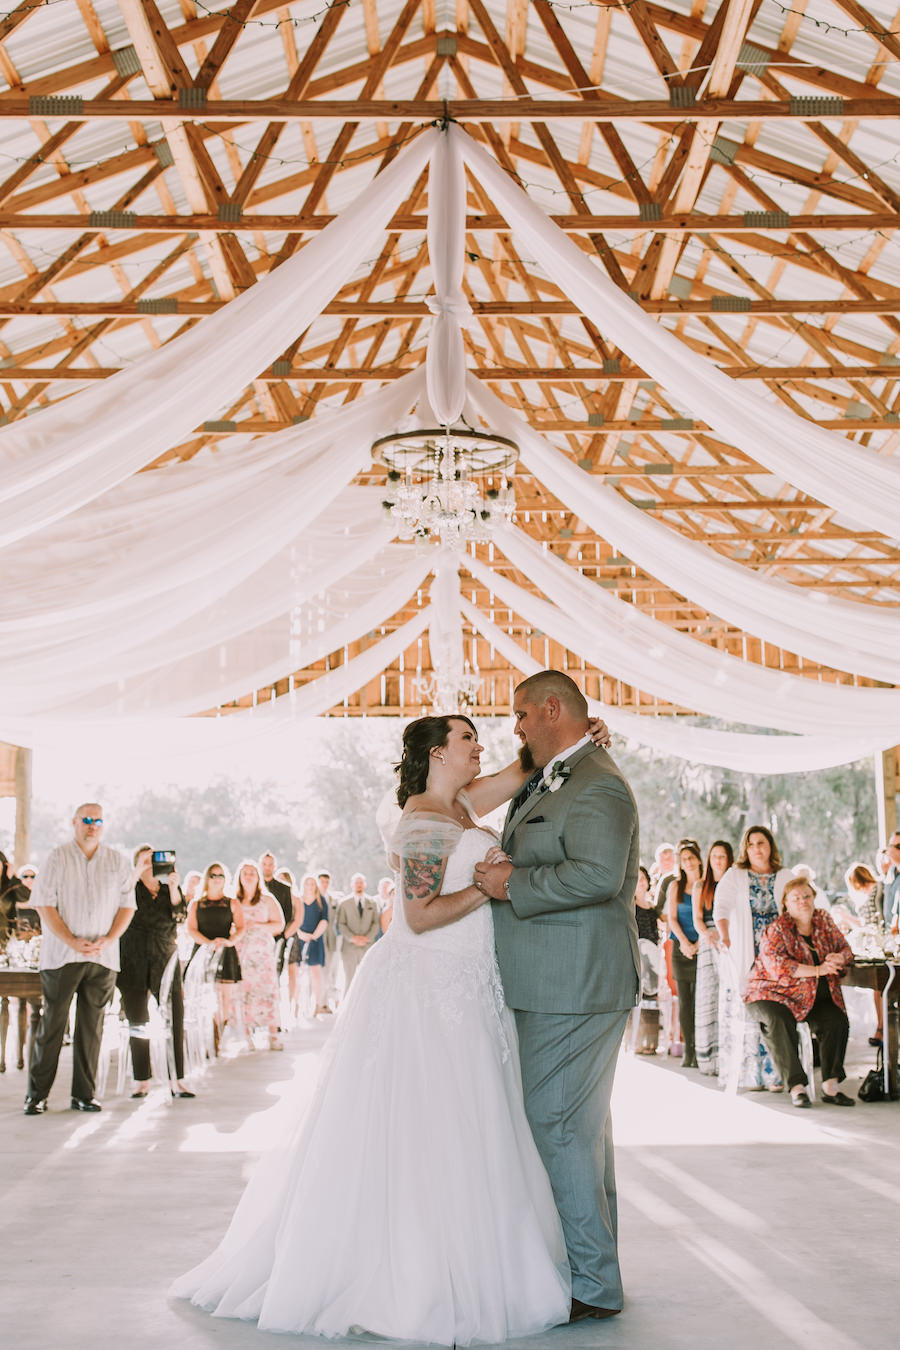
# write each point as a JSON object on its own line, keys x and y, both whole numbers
{"x": 526, "y": 759}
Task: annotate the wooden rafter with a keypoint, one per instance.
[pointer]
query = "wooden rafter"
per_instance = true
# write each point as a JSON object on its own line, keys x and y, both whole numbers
{"x": 737, "y": 191}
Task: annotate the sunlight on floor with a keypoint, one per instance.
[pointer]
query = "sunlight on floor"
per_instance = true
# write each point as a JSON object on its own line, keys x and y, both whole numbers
{"x": 652, "y": 1104}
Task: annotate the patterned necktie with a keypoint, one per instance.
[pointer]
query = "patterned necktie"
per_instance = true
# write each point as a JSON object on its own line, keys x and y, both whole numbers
{"x": 526, "y": 790}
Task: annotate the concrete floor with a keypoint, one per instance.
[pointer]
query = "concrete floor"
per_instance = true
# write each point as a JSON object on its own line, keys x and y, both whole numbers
{"x": 743, "y": 1222}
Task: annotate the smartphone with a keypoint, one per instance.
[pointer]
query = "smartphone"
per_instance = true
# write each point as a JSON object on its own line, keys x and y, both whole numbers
{"x": 163, "y": 860}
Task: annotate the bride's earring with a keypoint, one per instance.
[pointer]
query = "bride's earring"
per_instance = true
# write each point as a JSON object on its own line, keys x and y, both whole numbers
{"x": 441, "y": 758}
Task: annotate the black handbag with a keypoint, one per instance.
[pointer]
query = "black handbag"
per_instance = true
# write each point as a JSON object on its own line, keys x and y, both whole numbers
{"x": 871, "y": 1089}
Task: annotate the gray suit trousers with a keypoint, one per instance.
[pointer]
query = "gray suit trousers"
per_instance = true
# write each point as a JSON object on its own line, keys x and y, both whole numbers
{"x": 568, "y": 1065}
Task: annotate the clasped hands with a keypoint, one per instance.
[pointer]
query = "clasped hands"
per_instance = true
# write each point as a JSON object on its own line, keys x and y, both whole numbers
{"x": 492, "y": 872}
{"x": 90, "y": 946}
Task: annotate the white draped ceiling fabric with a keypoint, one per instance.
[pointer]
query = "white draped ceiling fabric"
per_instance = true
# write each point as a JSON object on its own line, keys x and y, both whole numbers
{"x": 162, "y": 594}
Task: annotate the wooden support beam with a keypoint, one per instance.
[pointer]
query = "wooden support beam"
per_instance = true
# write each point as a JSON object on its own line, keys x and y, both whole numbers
{"x": 497, "y": 309}
{"x": 426, "y": 111}
{"x": 572, "y": 223}
{"x": 887, "y": 787}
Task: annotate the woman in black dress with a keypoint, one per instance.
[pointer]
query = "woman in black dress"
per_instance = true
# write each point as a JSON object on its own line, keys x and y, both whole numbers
{"x": 145, "y": 949}
{"x": 214, "y": 920}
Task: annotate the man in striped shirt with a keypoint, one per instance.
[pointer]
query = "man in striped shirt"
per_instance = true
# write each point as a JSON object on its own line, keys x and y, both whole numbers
{"x": 84, "y": 895}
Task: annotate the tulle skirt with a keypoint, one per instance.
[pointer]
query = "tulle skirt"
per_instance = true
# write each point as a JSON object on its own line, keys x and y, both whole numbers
{"x": 411, "y": 1202}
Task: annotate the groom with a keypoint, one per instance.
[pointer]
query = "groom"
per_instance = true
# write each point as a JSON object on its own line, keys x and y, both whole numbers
{"x": 568, "y": 951}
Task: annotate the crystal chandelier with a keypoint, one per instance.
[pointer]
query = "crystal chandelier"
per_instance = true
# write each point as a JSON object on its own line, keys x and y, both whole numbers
{"x": 448, "y": 483}
{"x": 449, "y": 692}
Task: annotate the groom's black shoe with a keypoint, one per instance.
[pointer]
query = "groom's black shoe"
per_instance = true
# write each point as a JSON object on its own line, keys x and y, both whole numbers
{"x": 580, "y": 1311}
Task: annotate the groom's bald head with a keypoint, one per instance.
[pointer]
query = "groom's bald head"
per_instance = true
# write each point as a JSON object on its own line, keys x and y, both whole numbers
{"x": 551, "y": 714}
{"x": 554, "y": 684}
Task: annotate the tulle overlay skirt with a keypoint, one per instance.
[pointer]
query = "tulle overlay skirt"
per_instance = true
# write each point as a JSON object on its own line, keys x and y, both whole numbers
{"x": 411, "y": 1202}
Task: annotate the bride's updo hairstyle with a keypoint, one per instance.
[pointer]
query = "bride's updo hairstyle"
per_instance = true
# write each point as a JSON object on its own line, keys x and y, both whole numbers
{"x": 419, "y": 739}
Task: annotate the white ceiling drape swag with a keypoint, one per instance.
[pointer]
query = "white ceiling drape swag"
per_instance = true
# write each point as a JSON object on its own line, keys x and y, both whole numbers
{"x": 69, "y": 454}
{"x": 191, "y": 520}
{"x": 844, "y": 634}
{"x": 742, "y": 751}
{"x": 166, "y": 593}
{"x": 446, "y": 357}
{"x": 327, "y": 621}
{"x": 620, "y": 639}
{"x": 194, "y": 734}
{"x": 852, "y": 479}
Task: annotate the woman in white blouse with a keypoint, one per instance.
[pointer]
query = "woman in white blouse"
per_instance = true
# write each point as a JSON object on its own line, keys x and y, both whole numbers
{"x": 747, "y": 900}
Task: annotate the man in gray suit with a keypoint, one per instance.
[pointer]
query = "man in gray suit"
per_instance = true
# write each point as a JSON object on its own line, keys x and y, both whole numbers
{"x": 567, "y": 945}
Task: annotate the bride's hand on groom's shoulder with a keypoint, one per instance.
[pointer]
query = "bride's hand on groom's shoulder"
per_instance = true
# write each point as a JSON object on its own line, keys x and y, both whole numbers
{"x": 599, "y": 732}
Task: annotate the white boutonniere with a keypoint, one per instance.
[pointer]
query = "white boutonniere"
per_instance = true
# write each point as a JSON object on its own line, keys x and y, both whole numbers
{"x": 557, "y": 776}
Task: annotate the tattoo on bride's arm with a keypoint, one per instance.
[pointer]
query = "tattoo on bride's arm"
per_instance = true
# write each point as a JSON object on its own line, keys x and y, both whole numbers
{"x": 422, "y": 877}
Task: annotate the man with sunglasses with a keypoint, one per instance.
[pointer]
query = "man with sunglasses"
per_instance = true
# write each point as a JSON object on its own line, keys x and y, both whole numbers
{"x": 84, "y": 896}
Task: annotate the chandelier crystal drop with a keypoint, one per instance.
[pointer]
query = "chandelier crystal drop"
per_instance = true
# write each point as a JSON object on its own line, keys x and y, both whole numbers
{"x": 447, "y": 483}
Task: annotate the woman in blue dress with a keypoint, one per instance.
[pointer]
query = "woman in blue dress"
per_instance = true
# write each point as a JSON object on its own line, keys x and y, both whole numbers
{"x": 306, "y": 932}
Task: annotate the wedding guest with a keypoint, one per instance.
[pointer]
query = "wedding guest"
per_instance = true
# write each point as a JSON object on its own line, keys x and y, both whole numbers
{"x": 680, "y": 917}
{"x": 648, "y": 934}
{"x": 796, "y": 977}
{"x": 263, "y": 921}
{"x": 307, "y": 933}
{"x": 215, "y": 920}
{"x": 282, "y": 893}
{"x": 145, "y": 949}
{"x": 190, "y": 887}
{"x": 866, "y": 893}
{"x": 332, "y": 941}
{"x": 719, "y": 858}
{"x": 85, "y": 899}
{"x": 747, "y": 900}
{"x": 18, "y": 919}
{"x": 358, "y": 921}
{"x": 13, "y": 892}
{"x": 663, "y": 866}
{"x": 891, "y": 901}
{"x": 385, "y": 896}
{"x": 646, "y": 1039}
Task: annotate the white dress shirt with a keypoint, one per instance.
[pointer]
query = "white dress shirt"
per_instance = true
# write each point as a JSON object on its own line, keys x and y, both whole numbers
{"x": 564, "y": 754}
{"x": 87, "y": 893}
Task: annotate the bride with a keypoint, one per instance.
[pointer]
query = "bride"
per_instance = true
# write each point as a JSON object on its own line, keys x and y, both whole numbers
{"x": 412, "y": 1203}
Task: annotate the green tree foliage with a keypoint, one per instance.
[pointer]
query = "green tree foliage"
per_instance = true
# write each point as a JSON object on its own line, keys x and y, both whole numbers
{"x": 322, "y": 814}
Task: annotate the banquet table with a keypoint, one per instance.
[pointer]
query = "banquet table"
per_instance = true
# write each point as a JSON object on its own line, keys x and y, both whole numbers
{"x": 24, "y": 984}
{"x": 883, "y": 975}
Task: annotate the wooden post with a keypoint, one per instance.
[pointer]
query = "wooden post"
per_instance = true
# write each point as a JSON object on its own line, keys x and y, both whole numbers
{"x": 22, "y": 847}
{"x": 887, "y": 783}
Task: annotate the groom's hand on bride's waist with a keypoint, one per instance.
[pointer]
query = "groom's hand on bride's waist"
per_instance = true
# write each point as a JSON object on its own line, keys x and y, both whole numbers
{"x": 491, "y": 879}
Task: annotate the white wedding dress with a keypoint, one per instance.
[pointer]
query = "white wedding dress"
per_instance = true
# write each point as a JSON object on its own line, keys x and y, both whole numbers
{"x": 412, "y": 1203}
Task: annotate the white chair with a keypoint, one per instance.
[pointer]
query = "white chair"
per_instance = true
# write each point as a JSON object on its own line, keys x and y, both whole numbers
{"x": 157, "y": 1030}
{"x": 200, "y": 1009}
{"x": 807, "y": 1058}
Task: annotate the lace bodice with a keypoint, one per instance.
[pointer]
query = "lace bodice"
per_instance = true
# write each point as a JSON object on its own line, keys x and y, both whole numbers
{"x": 456, "y": 963}
{"x": 475, "y": 930}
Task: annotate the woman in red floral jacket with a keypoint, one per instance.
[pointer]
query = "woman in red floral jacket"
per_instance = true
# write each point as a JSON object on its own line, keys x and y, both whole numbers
{"x": 797, "y": 978}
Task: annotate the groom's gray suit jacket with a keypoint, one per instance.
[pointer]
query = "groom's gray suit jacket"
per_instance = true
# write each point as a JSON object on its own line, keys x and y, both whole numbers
{"x": 567, "y": 942}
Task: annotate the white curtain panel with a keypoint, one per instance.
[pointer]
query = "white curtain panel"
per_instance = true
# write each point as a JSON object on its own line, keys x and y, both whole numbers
{"x": 192, "y": 735}
{"x": 855, "y": 481}
{"x": 745, "y": 752}
{"x": 846, "y": 634}
{"x": 649, "y": 655}
{"x": 67, "y": 455}
{"x": 335, "y": 616}
{"x": 160, "y": 531}
{"x": 445, "y": 357}
{"x": 144, "y": 583}
{"x": 445, "y": 632}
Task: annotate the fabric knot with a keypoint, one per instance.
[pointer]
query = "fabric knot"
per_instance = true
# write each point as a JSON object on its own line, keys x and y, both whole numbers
{"x": 458, "y": 307}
